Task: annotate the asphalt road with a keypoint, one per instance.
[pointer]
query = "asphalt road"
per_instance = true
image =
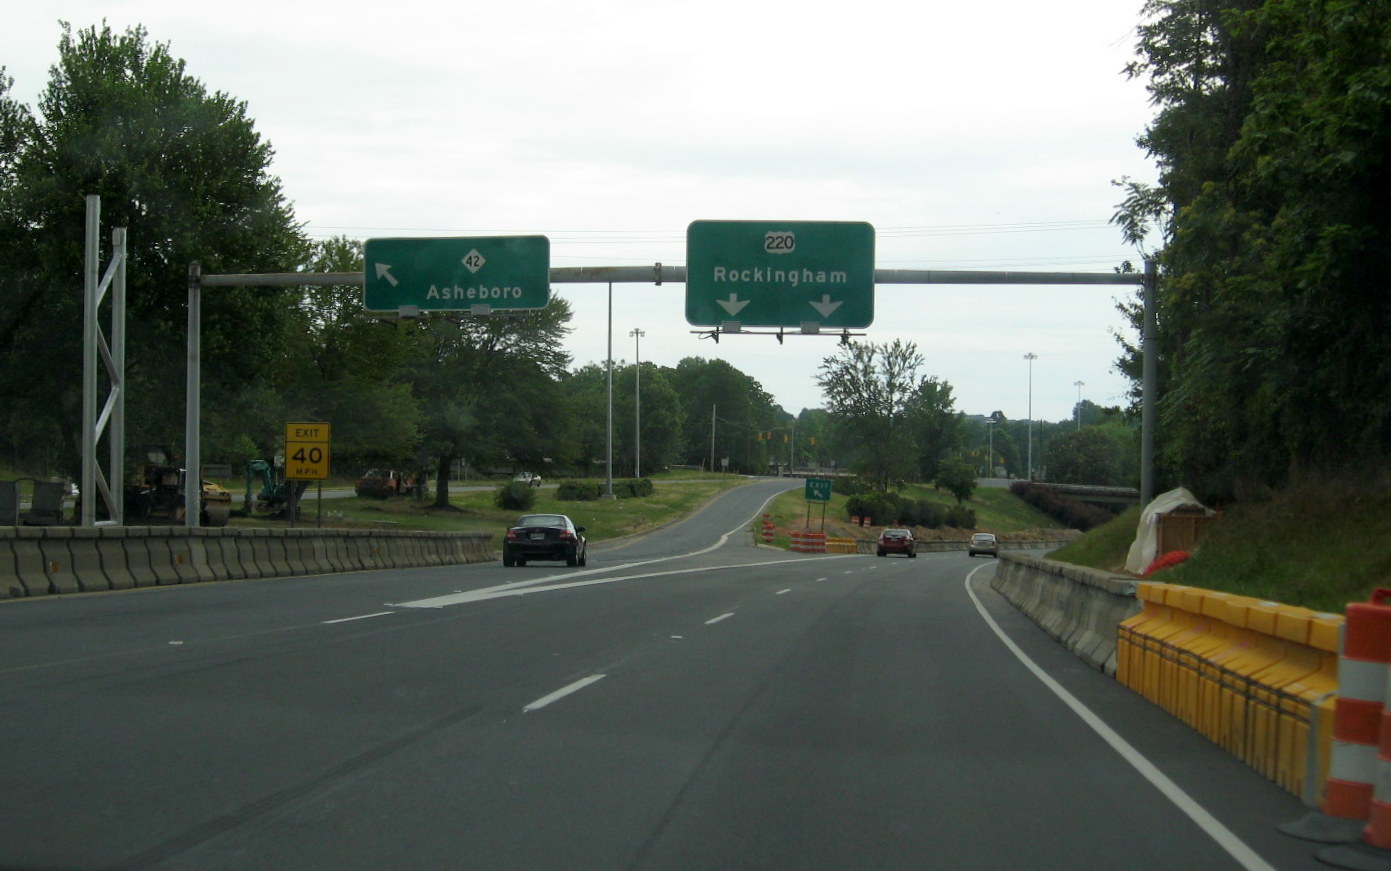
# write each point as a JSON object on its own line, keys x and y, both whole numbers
{"x": 689, "y": 701}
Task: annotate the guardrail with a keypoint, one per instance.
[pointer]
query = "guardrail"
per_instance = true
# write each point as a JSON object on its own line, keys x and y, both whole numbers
{"x": 56, "y": 560}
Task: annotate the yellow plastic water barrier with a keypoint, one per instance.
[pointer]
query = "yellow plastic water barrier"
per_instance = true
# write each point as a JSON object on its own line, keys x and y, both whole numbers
{"x": 1257, "y": 678}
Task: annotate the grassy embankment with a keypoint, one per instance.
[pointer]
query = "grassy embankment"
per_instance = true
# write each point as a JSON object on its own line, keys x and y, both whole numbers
{"x": 1319, "y": 545}
{"x": 676, "y": 494}
{"x": 997, "y": 510}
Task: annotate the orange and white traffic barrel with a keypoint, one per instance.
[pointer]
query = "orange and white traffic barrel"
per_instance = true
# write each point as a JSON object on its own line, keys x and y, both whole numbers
{"x": 1363, "y": 670}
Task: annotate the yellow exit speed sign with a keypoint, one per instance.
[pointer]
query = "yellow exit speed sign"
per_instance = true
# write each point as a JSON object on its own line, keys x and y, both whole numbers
{"x": 306, "y": 451}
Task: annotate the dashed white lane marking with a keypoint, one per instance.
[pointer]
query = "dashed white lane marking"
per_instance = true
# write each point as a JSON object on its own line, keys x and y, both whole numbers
{"x": 562, "y": 692}
{"x": 781, "y": 592}
{"x": 712, "y": 621}
{"x": 358, "y": 617}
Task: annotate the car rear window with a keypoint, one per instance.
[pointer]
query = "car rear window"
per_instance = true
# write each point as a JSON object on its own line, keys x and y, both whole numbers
{"x": 542, "y": 520}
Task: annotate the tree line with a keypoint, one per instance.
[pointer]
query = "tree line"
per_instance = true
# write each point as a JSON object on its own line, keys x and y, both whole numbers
{"x": 1269, "y": 224}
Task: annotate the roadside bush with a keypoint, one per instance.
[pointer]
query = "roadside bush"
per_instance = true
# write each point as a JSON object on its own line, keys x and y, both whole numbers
{"x": 630, "y": 488}
{"x": 847, "y": 486}
{"x": 579, "y": 491}
{"x": 515, "y": 496}
{"x": 960, "y": 517}
{"x": 882, "y": 508}
{"x": 919, "y": 512}
{"x": 1076, "y": 514}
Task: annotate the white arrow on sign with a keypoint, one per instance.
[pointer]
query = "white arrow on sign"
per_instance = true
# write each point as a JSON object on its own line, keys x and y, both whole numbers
{"x": 384, "y": 271}
{"x": 825, "y": 307}
{"x": 734, "y": 304}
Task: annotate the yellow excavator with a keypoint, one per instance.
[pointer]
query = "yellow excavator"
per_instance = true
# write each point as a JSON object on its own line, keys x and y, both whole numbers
{"x": 154, "y": 490}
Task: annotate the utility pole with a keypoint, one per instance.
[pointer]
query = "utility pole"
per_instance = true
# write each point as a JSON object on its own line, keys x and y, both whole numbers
{"x": 712, "y": 438}
{"x": 1150, "y": 382}
{"x": 1079, "y": 385}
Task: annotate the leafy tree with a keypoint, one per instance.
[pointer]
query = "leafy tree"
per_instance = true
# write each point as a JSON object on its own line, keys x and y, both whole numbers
{"x": 487, "y": 389}
{"x": 868, "y": 389}
{"x": 348, "y": 369}
{"x": 186, "y": 172}
{"x": 936, "y": 430}
{"x": 662, "y": 417}
{"x": 1086, "y": 456}
{"x": 893, "y": 424}
{"x": 1270, "y": 135}
{"x": 958, "y": 476}
{"x": 743, "y": 410}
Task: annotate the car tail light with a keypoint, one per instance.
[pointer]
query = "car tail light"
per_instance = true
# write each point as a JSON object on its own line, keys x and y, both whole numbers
{"x": 566, "y": 535}
{"x": 513, "y": 534}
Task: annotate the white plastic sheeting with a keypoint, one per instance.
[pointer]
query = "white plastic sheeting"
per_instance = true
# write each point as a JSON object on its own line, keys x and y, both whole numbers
{"x": 1146, "y": 545}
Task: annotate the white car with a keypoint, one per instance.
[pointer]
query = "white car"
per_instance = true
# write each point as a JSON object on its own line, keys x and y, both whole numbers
{"x": 528, "y": 479}
{"x": 983, "y": 542}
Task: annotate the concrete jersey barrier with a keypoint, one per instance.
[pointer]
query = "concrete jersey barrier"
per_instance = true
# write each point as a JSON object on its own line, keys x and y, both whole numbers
{"x": 1078, "y": 606}
{"x": 58, "y": 560}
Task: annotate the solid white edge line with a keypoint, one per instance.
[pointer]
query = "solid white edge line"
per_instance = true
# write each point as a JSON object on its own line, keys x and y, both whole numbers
{"x": 1225, "y": 838}
{"x": 359, "y": 617}
{"x": 562, "y": 692}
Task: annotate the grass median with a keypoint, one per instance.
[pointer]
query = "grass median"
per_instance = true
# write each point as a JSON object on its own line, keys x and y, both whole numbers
{"x": 675, "y": 496}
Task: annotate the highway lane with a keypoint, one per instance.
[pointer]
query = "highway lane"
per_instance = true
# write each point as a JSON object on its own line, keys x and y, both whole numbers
{"x": 744, "y": 708}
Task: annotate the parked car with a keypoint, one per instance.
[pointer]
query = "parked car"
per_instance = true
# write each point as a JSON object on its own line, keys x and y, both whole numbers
{"x": 379, "y": 483}
{"x": 983, "y": 542}
{"x": 544, "y": 537}
{"x": 897, "y": 541}
{"x": 528, "y": 478}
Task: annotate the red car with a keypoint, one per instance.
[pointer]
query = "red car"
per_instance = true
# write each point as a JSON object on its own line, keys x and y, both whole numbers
{"x": 897, "y": 541}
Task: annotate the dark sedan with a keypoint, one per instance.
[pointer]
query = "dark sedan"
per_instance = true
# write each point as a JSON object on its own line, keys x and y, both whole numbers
{"x": 544, "y": 537}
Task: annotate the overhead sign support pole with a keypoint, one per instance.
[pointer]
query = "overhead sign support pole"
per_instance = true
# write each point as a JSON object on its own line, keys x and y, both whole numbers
{"x": 193, "y": 399}
{"x": 112, "y": 419}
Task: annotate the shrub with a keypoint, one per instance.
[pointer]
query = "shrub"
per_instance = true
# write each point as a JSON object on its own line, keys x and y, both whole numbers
{"x": 515, "y": 496}
{"x": 849, "y": 486}
{"x": 1076, "y": 514}
{"x": 579, "y": 491}
{"x": 882, "y": 508}
{"x": 960, "y": 517}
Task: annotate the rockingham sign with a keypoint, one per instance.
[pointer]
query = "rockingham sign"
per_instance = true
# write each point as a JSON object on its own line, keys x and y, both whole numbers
{"x": 479, "y": 274}
{"x": 808, "y": 275}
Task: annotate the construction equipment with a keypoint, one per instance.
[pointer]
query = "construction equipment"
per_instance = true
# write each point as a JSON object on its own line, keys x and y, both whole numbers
{"x": 155, "y": 490}
{"x": 275, "y": 493}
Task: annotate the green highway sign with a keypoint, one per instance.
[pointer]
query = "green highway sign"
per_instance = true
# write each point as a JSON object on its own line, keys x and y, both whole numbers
{"x": 482, "y": 273}
{"x": 798, "y": 274}
{"x": 818, "y": 489}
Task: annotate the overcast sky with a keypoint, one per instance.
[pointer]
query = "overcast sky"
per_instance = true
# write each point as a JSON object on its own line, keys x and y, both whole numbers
{"x": 971, "y": 136}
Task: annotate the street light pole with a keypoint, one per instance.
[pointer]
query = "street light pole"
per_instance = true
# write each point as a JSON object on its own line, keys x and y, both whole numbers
{"x": 1079, "y": 385}
{"x": 637, "y": 403}
{"x": 990, "y": 449}
{"x": 1029, "y": 468}
{"x": 608, "y": 366}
